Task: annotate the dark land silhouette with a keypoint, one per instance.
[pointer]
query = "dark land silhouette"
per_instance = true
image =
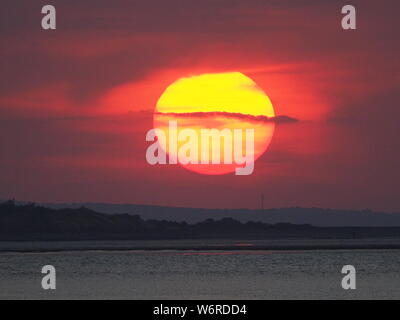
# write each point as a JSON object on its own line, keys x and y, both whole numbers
{"x": 294, "y": 215}
{"x": 35, "y": 222}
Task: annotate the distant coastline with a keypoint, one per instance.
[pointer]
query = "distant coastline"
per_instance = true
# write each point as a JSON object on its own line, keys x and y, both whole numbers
{"x": 321, "y": 217}
{"x": 31, "y": 222}
{"x": 210, "y": 249}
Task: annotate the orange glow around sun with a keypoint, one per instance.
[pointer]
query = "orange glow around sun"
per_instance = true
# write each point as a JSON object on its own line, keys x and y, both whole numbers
{"x": 219, "y": 101}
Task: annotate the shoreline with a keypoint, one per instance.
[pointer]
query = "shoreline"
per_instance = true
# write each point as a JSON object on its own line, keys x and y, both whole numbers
{"x": 208, "y": 248}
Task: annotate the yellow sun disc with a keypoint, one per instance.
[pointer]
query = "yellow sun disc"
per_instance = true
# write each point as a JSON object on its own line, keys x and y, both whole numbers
{"x": 222, "y": 92}
{"x": 215, "y": 101}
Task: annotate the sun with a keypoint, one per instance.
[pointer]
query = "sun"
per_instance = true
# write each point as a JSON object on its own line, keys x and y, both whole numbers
{"x": 216, "y": 92}
{"x": 226, "y": 102}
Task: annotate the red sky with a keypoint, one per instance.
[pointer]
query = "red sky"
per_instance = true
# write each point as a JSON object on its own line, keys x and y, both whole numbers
{"x": 76, "y": 103}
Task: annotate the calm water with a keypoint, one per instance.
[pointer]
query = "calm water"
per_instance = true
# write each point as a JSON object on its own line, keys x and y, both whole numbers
{"x": 176, "y": 274}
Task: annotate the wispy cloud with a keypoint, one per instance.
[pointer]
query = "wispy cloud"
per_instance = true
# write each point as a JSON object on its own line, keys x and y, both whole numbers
{"x": 248, "y": 117}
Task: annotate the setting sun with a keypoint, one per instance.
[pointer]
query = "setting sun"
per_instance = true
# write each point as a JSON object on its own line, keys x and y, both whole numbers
{"x": 219, "y": 92}
{"x": 223, "y": 105}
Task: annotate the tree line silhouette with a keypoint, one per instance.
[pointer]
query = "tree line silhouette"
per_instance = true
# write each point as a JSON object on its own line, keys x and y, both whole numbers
{"x": 34, "y": 222}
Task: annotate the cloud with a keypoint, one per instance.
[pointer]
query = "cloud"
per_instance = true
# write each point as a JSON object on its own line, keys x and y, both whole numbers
{"x": 98, "y": 46}
{"x": 248, "y": 117}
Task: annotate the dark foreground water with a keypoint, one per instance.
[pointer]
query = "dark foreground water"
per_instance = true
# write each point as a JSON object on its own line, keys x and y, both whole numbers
{"x": 194, "y": 274}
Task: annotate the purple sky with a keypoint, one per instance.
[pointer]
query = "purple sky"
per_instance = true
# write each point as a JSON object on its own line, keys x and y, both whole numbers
{"x": 76, "y": 103}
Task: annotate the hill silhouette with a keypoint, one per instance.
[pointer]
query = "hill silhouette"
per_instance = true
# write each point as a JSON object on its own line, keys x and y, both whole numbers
{"x": 296, "y": 215}
{"x": 34, "y": 222}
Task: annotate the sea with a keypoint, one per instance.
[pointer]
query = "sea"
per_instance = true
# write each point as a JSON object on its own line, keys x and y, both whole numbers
{"x": 206, "y": 269}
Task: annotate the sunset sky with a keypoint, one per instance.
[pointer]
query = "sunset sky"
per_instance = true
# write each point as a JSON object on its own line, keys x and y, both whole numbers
{"x": 76, "y": 102}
